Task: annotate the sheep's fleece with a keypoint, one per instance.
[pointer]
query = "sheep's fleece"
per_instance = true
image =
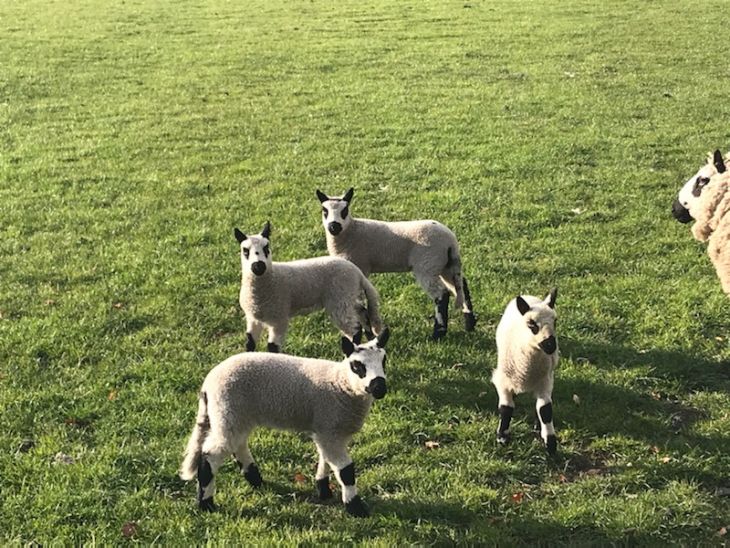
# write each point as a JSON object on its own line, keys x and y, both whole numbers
{"x": 712, "y": 224}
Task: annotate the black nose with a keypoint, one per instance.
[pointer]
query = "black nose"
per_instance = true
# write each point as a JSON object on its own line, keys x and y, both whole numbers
{"x": 258, "y": 268}
{"x": 680, "y": 212}
{"x": 549, "y": 345}
{"x": 334, "y": 228}
{"x": 377, "y": 387}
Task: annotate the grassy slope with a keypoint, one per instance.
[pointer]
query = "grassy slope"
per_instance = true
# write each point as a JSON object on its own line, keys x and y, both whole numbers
{"x": 134, "y": 135}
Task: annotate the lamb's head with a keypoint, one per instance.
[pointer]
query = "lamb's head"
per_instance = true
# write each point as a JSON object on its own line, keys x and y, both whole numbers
{"x": 336, "y": 212}
{"x": 366, "y": 365}
{"x": 255, "y": 250}
{"x": 539, "y": 321}
{"x": 692, "y": 189}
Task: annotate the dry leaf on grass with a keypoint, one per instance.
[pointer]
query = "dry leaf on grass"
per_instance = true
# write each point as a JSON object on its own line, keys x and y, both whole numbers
{"x": 517, "y": 497}
{"x": 430, "y": 444}
{"x": 130, "y": 529}
{"x": 300, "y": 478}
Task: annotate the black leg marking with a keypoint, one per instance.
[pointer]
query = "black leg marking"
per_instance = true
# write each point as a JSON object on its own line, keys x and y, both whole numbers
{"x": 273, "y": 347}
{"x": 252, "y": 475}
{"x": 505, "y": 417}
{"x": 250, "y": 343}
{"x": 552, "y": 444}
{"x": 546, "y": 413}
{"x": 369, "y": 334}
{"x": 356, "y": 507}
{"x": 347, "y": 474}
{"x": 442, "y": 313}
{"x": 357, "y": 337}
{"x": 323, "y": 488}
{"x": 470, "y": 320}
{"x": 205, "y": 476}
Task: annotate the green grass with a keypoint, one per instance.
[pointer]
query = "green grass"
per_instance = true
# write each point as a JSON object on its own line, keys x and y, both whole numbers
{"x": 550, "y": 136}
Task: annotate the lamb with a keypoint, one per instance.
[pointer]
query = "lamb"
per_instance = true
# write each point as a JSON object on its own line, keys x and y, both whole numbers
{"x": 708, "y": 203}
{"x": 528, "y": 354}
{"x": 329, "y": 400}
{"x": 427, "y": 248}
{"x": 273, "y": 292}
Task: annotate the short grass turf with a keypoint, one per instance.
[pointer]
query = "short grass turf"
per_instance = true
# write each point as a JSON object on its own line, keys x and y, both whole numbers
{"x": 550, "y": 136}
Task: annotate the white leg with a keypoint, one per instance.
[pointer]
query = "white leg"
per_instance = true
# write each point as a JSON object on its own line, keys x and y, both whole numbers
{"x": 253, "y": 333}
{"x": 544, "y": 406}
{"x": 246, "y": 464}
{"x": 506, "y": 408}
{"x": 277, "y": 334}
{"x": 336, "y": 455}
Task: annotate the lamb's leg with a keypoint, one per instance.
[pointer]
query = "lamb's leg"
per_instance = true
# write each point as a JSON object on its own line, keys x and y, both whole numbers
{"x": 253, "y": 333}
{"x": 544, "y": 407}
{"x": 470, "y": 320}
{"x": 436, "y": 289}
{"x": 323, "y": 477}
{"x": 277, "y": 334}
{"x": 246, "y": 464}
{"x": 335, "y": 453}
{"x": 209, "y": 464}
{"x": 506, "y": 408}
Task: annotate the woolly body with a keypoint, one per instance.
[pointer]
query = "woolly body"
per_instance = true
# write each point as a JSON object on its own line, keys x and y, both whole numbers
{"x": 712, "y": 224}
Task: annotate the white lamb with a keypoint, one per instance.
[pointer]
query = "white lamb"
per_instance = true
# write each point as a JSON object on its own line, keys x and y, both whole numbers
{"x": 328, "y": 400}
{"x": 691, "y": 191}
{"x": 427, "y": 248}
{"x": 273, "y": 292}
{"x": 527, "y": 357}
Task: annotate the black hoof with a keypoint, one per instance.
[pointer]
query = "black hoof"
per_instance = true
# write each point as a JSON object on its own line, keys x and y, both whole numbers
{"x": 253, "y": 476}
{"x": 370, "y": 335}
{"x": 504, "y": 438}
{"x": 272, "y": 347}
{"x": 438, "y": 333}
{"x": 470, "y": 321}
{"x": 356, "y": 507}
{"x": 206, "y": 505}
{"x": 250, "y": 343}
{"x": 323, "y": 489}
{"x": 552, "y": 444}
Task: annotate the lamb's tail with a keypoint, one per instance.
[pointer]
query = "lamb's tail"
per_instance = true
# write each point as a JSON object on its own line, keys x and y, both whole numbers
{"x": 373, "y": 309}
{"x": 451, "y": 276}
{"x": 193, "y": 451}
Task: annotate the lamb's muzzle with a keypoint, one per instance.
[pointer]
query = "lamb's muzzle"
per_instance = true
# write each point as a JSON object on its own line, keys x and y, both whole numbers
{"x": 680, "y": 212}
{"x": 377, "y": 388}
{"x": 549, "y": 345}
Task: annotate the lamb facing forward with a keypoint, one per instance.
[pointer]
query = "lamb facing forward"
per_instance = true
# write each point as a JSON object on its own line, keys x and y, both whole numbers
{"x": 329, "y": 400}
{"x": 706, "y": 199}
{"x": 273, "y": 292}
{"x": 427, "y": 248}
{"x": 527, "y": 357}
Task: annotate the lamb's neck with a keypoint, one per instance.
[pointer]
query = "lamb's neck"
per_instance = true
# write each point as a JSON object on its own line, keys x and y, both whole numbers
{"x": 259, "y": 286}
{"x": 344, "y": 241}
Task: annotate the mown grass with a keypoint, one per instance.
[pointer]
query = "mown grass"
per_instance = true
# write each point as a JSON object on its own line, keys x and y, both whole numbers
{"x": 551, "y": 137}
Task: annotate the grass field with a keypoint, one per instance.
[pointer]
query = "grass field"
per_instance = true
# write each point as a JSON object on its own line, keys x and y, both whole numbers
{"x": 551, "y": 137}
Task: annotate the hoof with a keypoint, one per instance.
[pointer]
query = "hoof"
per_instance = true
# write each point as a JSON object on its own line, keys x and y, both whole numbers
{"x": 253, "y": 476}
{"x": 504, "y": 438}
{"x": 206, "y": 505}
{"x": 551, "y": 444}
{"x": 369, "y": 335}
{"x": 250, "y": 343}
{"x": 356, "y": 507}
{"x": 272, "y": 347}
{"x": 438, "y": 333}
{"x": 323, "y": 489}
{"x": 470, "y": 321}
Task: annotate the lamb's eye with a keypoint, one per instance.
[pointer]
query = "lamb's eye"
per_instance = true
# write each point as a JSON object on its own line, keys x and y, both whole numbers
{"x": 533, "y": 327}
{"x": 246, "y": 251}
{"x": 358, "y": 368}
{"x": 700, "y": 183}
{"x": 266, "y": 250}
{"x": 345, "y": 211}
{"x": 324, "y": 211}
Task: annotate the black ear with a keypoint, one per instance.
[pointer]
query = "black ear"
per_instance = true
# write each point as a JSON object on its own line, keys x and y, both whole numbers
{"x": 522, "y": 305}
{"x": 240, "y": 236}
{"x": 347, "y": 346}
{"x": 383, "y": 337}
{"x": 552, "y": 297}
{"x": 718, "y": 162}
{"x": 348, "y": 195}
{"x": 266, "y": 232}
{"x": 322, "y": 196}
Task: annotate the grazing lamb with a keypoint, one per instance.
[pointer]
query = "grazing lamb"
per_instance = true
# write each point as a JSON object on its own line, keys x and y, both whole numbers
{"x": 427, "y": 248}
{"x": 328, "y": 400}
{"x": 706, "y": 200}
{"x": 527, "y": 357}
{"x": 272, "y": 292}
